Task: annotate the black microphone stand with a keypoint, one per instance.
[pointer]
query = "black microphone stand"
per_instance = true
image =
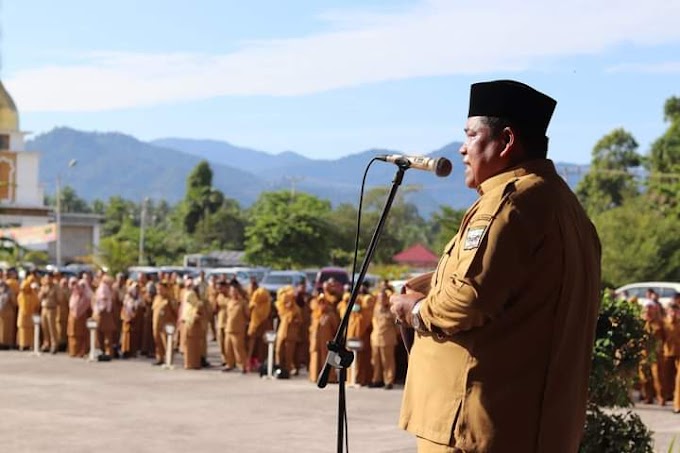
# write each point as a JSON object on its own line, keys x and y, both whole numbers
{"x": 339, "y": 357}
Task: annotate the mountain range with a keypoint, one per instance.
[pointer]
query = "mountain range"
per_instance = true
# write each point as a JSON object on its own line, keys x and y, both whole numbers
{"x": 113, "y": 163}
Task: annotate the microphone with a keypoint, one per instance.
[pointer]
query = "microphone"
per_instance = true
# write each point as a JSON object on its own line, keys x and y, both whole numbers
{"x": 440, "y": 166}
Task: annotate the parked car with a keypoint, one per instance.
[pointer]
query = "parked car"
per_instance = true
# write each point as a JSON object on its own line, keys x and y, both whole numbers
{"x": 274, "y": 280}
{"x": 338, "y": 274}
{"x": 150, "y": 272}
{"x": 179, "y": 270}
{"x": 665, "y": 290}
{"x": 373, "y": 280}
{"x": 228, "y": 273}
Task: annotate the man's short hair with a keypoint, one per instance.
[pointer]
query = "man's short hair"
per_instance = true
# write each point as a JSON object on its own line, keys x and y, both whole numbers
{"x": 536, "y": 145}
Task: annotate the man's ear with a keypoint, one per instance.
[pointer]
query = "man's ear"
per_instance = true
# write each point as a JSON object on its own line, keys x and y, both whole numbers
{"x": 508, "y": 142}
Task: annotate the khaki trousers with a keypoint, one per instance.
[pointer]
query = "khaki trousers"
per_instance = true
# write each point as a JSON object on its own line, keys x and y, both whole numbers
{"x": 160, "y": 340}
{"x": 235, "y": 346}
{"x": 651, "y": 382}
{"x": 222, "y": 343}
{"x": 383, "y": 364}
{"x": 285, "y": 354}
{"x": 48, "y": 324}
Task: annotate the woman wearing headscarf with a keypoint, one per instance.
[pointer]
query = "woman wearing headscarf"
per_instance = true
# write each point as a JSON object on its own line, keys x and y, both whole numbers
{"x": 79, "y": 309}
{"x": 102, "y": 310}
{"x": 237, "y": 315}
{"x": 192, "y": 320}
{"x": 287, "y": 337}
{"x": 130, "y": 312}
{"x": 324, "y": 324}
{"x": 29, "y": 305}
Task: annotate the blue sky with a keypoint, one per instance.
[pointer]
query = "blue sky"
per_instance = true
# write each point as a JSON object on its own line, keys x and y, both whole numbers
{"x": 332, "y": 78}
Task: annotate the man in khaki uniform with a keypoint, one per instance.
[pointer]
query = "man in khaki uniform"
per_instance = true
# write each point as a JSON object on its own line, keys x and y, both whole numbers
{"x": 63, "y": 296}
{"x": 505, "y": 325}
{"x": 48, "y": 314}
{"x": 671, "y": 352}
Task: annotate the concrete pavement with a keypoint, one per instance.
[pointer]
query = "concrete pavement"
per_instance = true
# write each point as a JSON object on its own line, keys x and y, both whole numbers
{"x": 53, "y": 403}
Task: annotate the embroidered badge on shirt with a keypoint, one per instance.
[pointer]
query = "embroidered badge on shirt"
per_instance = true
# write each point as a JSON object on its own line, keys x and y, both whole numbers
{"x": 474, "y": 237}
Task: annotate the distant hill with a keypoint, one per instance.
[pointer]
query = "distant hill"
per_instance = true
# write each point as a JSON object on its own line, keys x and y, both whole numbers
{"x": 235, "y": 156}
{"x": 118, "y": 164}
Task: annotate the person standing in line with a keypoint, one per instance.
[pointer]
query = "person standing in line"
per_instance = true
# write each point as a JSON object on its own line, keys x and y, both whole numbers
{"x": 164, "y": 312}
{"x": 130, "y": 314}
{"x": 192, "y": 319}
{"x": 290, "y": 320}
{"x": 102, "y": 312}
{"x": 8, "y": 321}
{"x": 63, "y": 297}
{"x": 671, "y": 352}
{"x": 79, "y": 310}
{"x": 322, "y": 329}
{"x": 48, "y": 314}
{"x": 235, "y": 330}
{"x": 383, "y": 342}
{"x": 260, "y": 307}
{"x": 29, "y": 305}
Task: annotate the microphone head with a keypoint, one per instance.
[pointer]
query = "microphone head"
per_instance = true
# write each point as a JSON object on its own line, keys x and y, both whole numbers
{"x": 442, "y": 167}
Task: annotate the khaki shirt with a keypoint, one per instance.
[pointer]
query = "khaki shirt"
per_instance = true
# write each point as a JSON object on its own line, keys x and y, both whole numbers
{"x": 511, "y": 313}
{"x": 237, "y": 316}
{"x": 671, "y": 346}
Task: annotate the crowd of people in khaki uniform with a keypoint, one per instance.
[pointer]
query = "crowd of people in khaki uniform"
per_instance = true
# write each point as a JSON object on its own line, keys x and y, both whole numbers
{"x": 131, "y": 318}
{"x": 659, "y": 371}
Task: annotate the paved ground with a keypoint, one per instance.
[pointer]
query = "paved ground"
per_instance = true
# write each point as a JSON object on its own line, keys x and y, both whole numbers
{"x": 56, "y": 404}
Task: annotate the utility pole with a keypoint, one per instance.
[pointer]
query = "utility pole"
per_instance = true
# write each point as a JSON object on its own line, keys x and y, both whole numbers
{"x": 72, "y": 163}
{"x": 142, "y": 222}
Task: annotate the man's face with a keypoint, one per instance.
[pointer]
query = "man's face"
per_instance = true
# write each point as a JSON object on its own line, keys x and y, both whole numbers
{"x": 481, "y": 152}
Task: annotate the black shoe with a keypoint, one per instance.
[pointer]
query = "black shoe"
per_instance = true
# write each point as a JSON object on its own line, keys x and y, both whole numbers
{"x": 389, "y": 387}
{"x": 227, "y": 369}
{"x": 157, "y": 363}
{"x": 376, "y": 385}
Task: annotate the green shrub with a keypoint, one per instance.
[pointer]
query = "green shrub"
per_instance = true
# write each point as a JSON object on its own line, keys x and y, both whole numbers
{"x": 620, "y": 338}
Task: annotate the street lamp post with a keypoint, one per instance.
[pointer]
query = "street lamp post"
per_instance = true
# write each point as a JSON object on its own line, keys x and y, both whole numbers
{"x": 72, "y": 163}
{"x": 142, "y": 225}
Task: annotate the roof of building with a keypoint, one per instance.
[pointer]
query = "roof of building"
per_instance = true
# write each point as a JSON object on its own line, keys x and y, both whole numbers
{"x": 416, "y": 254}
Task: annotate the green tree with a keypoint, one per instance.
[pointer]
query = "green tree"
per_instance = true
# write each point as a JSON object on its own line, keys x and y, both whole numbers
{"x": 201, "y": 199}
{"x": 403, "y": 228}
{"x": 118, "y": 211}
{"x": 664, "y": 163}
{"x": 620, "y": 338}
{"x": 609, "y": 182}
{"x": 70, "y": 201}
{"x": 288, "y": 231}
{"x": 639, "y": 243}
{"x": 444, "y": 226}
{"x": 121, "y": 250}
{"x": 225, "y": 228}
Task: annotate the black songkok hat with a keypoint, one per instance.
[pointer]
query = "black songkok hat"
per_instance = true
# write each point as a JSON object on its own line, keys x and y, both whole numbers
{"x": 525, "y": 107}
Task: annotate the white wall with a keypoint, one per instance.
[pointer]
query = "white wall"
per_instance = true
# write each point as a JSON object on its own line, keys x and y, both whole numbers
{"x": 29, "y": 191}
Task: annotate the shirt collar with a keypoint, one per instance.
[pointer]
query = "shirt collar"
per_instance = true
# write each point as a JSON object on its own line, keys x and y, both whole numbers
{"x": 534, "y": 166}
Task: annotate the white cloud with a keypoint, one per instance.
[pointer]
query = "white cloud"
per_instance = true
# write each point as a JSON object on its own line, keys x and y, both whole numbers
{"x": 436, "y": 37}
{"x": 664, "y": 67}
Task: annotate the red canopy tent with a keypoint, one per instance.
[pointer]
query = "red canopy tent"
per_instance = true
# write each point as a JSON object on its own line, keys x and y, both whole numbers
{"x": 417, "y": 256}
